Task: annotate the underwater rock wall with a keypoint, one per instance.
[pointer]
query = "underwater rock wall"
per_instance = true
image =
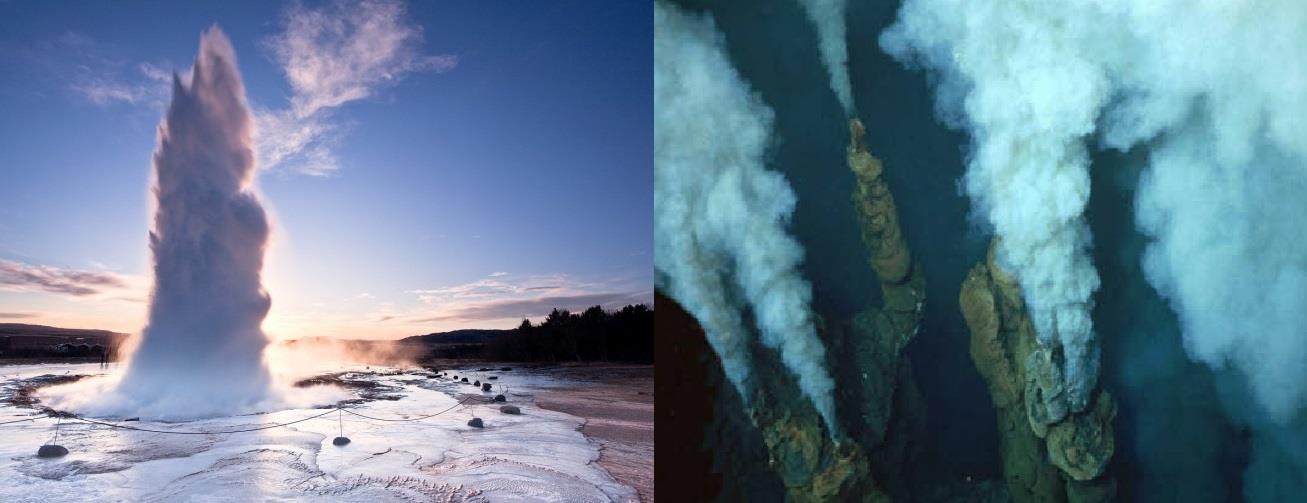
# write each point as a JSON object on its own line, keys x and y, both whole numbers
{"x": 1045, "y": 458}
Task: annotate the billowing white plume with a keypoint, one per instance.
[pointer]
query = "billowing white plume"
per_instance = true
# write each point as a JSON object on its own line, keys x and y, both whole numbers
{"x": 1217, "y": 94}
{"x": 828, "y": 17}
{"x": 1015, "y": 75}
{"x": 202, "y": 352}
{"x": 720, "y": 215}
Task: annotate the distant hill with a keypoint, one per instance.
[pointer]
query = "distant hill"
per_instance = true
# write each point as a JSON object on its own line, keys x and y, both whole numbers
{"x": 20, "y": 340}
{"x": 23, "y": 329}
{"x": 465, "y": 336}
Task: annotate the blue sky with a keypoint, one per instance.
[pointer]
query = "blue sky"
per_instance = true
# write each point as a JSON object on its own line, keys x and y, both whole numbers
{"x": 460, "y": 165}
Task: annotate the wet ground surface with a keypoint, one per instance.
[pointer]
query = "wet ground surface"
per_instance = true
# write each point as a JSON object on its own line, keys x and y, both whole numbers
{"x": 541, "y": 454}
{"x": 617, "y": 403}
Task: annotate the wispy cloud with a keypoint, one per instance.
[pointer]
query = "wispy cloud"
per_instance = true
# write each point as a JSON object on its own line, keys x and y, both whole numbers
{"x": 147, "y": 85}
{"x": 497, "y": 286}
{"x": 27, "y": 277}
{"x": 536, "y": 307}
{"x": 332, "y": 55}
{"x": 502, "y": 296}
{"x": 99, "y": 72}
{"x": 16, "y": 316}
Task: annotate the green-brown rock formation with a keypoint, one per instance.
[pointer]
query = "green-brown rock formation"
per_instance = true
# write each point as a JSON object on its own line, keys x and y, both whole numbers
{"x": 878, "y": 335}
{"x": 879, "y": 405}
{"x": 1046, "y": 457}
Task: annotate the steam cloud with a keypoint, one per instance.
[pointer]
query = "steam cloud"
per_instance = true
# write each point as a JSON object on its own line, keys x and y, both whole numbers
{"x": 202, "y": 352}
{"x": 720, "y": 215}
{"x": 828, "y": 17}
{"x": 1216, "y": 92}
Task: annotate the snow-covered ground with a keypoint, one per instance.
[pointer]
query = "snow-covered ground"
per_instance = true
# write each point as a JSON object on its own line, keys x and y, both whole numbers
{"x": 537, "y": 456}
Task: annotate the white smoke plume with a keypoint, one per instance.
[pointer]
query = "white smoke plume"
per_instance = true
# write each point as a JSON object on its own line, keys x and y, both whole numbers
{"x": 828, "y": 17}
{"x": 1028, "y": 95}
{"x": 720, "y": 215}
{"x": 202, "y": 352}
{"x": 1216, "y": 93}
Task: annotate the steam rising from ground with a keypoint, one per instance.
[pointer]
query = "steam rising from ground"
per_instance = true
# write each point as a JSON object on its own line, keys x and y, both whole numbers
{"x": 828, "y": 17}
{"x": 293, "y": 360}
{"x": 1217, "y": 94}
{"x": 720, "y": 215}
{"x": 202, "y": 352}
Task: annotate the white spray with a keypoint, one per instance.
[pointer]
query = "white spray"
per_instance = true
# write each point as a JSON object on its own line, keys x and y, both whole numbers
{"x": 720, "y": 215}
{"x": 202, "y": 351}
{"x": 828, "y": 17}
{"x": 1217, "y": 93}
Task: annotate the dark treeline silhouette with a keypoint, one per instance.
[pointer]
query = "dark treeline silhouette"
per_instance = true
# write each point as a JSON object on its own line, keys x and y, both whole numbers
{"x": 593, "y": 335}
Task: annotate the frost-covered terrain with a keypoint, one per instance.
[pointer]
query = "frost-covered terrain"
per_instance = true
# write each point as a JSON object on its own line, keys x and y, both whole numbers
{"x": 538, "y": 455}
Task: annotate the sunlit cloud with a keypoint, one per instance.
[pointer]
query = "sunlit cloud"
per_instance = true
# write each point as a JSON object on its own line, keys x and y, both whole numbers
{"x": 535, "y": 307}
{"x": 17, "y": 276}
{"x": 504, "y": 297}
{"x": 16, "y": 316}
{"x": 497, "y": 286}
{"x": 332, "y": 55}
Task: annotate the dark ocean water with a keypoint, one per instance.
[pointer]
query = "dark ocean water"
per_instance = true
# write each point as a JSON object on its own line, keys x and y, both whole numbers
{"x": 774, "y": 48}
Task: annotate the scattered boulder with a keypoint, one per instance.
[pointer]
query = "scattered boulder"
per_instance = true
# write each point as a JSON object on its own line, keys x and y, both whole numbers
{"x": 510, "y": 409}
{"x": 476, "y": 423}
{"x": 500, "y": 398}
{"x": 339, "y": 441}
{"x": 505, "y": 369}
{"x": 485, "y": 387}
{"x": 485, "y": 370}
{"x": 478, "y": 382}
{"x": 464, "y": 379}
{"x": 51, "y": 451}
{"x": 492, "y": 378}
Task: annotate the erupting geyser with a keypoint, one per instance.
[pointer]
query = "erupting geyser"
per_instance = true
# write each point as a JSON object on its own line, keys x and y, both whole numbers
{"x": 202, "y": 352}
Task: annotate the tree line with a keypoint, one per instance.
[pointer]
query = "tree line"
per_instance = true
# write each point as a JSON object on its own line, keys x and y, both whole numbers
{"x": 592, "y": 335}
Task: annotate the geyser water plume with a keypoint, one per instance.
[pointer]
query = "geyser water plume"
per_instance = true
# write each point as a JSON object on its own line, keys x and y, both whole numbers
{"x": 720, "y": 243}
{"x": 827, "y": 17}
{"x": 202, "y": 350}
{"x": 1216, "y": 94}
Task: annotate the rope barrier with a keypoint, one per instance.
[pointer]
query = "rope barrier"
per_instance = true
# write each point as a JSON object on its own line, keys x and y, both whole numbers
{"x": 61, "y": 414}
{"x": 21, "y": 420}
{"x": 265, "y": 427}
{"x": 245, "y": 430}
{"x": 461, "y": 402}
